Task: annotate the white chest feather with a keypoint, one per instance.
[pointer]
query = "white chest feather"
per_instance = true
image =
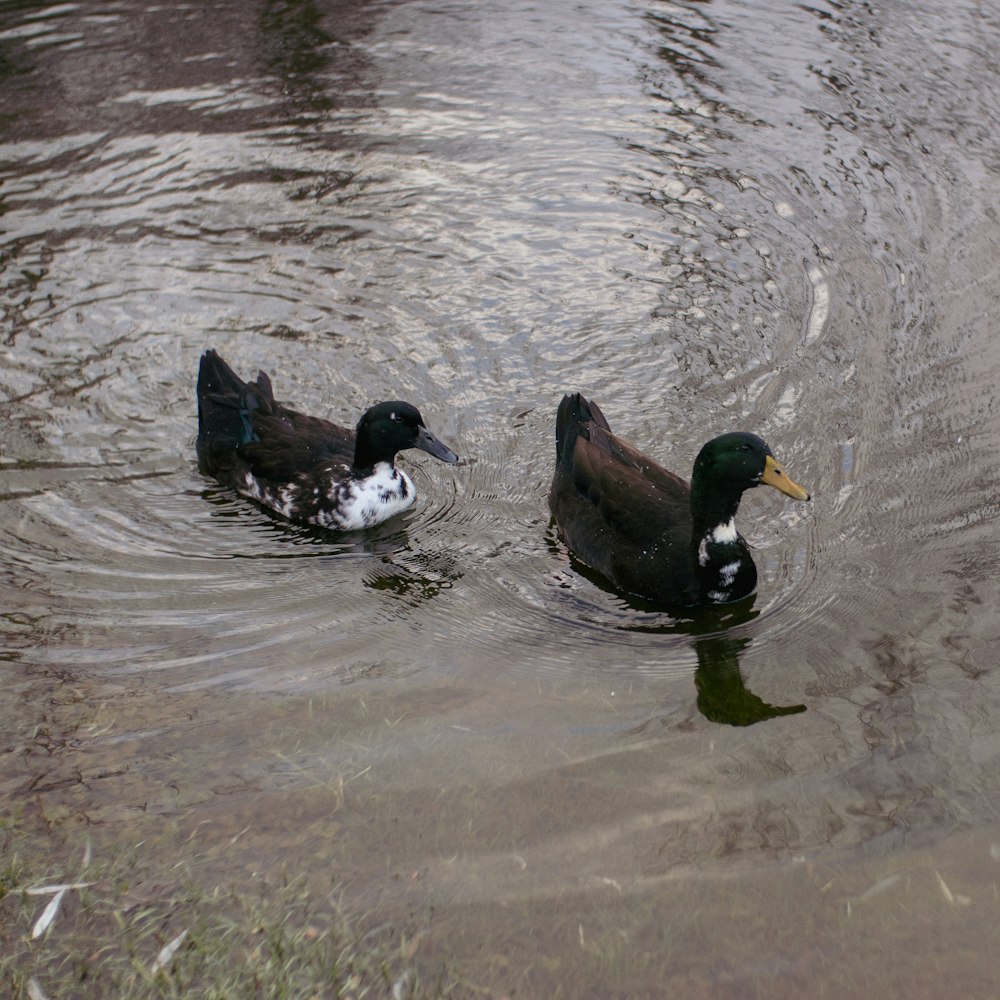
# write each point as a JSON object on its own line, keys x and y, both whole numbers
{"x": 725, "y": 532}
{"x": 720, "y": 558}
{"x": 364, "y": 502}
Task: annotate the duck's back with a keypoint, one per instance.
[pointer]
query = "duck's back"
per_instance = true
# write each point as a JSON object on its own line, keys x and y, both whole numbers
{"x": 287, "y": 443}
{"x": 242, "y": 428}
{"x": 620, "y": 513}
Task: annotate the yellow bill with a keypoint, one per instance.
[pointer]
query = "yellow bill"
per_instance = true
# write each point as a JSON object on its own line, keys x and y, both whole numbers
{"x": 773, "y": 476}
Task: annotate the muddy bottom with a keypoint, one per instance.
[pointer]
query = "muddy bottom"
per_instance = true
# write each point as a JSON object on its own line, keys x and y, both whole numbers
{"x": 512, "y": 864}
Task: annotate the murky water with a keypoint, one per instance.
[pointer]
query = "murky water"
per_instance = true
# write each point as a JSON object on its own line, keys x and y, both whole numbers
{"x": 707, "y": 216}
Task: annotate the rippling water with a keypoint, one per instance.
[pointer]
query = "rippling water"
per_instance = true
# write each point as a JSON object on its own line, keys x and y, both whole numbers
{"x": 707, "y": 216}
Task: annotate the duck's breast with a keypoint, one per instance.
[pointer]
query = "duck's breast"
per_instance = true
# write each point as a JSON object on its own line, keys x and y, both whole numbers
{"x": 362, "y": 502}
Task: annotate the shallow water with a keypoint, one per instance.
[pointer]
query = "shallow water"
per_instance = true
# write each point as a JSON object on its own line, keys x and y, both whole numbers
{"x": 477, "y": 208}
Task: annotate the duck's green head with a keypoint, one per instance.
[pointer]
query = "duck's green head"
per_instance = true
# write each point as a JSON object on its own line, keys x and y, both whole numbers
{"x": 732, "y": 463}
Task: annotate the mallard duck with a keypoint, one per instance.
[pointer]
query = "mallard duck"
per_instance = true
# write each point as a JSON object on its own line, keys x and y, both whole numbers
{"x": 306, "y": 468}
{"x": 644, "y": 528}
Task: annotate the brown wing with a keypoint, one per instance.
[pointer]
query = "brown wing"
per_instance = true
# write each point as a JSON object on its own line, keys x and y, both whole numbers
{"x": 288, "y": 442}
{"x": 639, "y": 500}
{"x": 623, "y": 453}
{"x": 620, "y": 512}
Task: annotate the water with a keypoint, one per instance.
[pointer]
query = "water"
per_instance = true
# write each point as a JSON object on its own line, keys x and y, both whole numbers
{"x": 706, "y": 216}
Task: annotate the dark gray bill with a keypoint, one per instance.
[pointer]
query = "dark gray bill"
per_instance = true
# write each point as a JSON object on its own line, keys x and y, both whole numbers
{"x": 427, "y": 442}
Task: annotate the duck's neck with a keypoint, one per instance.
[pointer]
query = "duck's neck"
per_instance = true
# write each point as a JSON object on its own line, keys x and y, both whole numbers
{"x": 722, "y": 564}
{"x": 367, "y": 455}
{"x": 712, "y": 509}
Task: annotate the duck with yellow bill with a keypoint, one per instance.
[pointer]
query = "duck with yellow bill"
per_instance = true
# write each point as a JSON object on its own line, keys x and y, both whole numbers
{"x": 645, "y": 529}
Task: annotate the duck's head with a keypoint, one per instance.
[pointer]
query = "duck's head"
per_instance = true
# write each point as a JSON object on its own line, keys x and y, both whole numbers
{"x": 732, "y": 463}
{"x": 391, "y": 427}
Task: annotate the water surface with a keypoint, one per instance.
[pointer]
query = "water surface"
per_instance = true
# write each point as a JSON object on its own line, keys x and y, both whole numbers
{"x": 708, "y": 216}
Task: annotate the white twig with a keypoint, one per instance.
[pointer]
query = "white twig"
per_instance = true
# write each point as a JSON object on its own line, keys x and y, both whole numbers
{"x": 167, "y": 952}
{"x": 35, "y": 991}
{"x": 48, "y": 890}
{"x": 43, "y": 923}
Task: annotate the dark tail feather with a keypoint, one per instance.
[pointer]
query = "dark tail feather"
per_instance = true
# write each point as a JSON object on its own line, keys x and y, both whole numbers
{"x": 574, "y": 412}
{"x": 225, "y": 407}
{"x": 220, "y": 393}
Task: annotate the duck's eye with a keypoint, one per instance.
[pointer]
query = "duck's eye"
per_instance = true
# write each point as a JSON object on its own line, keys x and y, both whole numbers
{"x": 745, "y": 447}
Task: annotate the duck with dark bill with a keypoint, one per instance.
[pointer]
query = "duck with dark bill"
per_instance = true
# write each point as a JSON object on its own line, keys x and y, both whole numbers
{"x": 644, "y": 528}
{"x": 305, "y": 468}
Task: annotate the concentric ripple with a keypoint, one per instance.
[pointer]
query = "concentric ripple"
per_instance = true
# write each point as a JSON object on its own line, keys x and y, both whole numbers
{"x": 476, "y": 209}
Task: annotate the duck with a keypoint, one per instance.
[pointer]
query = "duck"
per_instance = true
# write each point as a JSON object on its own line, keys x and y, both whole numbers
{"x": 645, "y": 529}
{"x": 305, "y": 468}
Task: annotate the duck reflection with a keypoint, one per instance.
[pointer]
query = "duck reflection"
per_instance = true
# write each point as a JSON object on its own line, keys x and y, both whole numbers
{"x": 414, "y": 577}
{"x": 722, "y": 694}
{"x": 718, "y": 639}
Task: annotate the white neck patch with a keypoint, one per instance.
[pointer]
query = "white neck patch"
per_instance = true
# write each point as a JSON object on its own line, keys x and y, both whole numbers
{"x": 723, "y": 533}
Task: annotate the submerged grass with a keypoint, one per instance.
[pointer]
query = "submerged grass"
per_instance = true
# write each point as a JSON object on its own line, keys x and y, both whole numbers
{"x": 118, "y": 930}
